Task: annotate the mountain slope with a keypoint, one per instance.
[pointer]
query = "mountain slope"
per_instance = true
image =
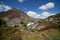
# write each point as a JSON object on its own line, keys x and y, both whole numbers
{"x": 46, "y": 29}
{"x": 50, "y": 22}
{"x": 54, "y": 18}
{"x": 13, "y": 17}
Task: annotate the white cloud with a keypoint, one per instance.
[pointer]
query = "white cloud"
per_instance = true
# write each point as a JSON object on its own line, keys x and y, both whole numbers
{"x": 20, "y": 1}
{"x": 50, "y": 5}
{"x": 4, "y": 8}
{"x": 46, "y": 14}
{"x": 36, "y": 15}
{"x": 33, "y": 14}
{"x": 7, "y": 8}
{"x": 47, "y": 6}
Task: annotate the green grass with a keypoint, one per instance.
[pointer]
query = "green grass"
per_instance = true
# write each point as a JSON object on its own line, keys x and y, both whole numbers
{"x": 8, "y": 33}
{"x": 53, "y": 35}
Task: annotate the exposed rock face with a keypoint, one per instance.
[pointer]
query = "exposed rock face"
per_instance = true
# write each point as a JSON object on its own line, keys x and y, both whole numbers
{"x": 50, "y": 22}
{"x": 30, "y": 24}
{"x": 13, "y": 17}
{"x": 54, "y": 18}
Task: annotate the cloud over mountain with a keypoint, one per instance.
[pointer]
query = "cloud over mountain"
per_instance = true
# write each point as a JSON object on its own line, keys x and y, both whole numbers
{"x": 4, "y": 8}
{"x": 36, "y": 15}
{"x": 46, "y": 14}
{"x": 33, "y": 14}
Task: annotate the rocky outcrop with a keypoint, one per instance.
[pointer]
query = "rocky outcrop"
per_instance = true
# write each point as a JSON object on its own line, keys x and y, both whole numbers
{"x": 13, "y": 17}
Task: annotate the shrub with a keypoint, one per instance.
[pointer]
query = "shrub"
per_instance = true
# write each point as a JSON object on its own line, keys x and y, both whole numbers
{"x": 2, "y": 23}
{"x": 22, "y": 22}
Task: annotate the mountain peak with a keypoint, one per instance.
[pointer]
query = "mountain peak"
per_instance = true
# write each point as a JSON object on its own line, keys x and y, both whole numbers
{"x": 15, "y": 9}
{"x": 14, "y": 12}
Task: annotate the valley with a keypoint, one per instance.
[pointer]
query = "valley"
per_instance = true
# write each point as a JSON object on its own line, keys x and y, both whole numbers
{"x": 17, "y": 25}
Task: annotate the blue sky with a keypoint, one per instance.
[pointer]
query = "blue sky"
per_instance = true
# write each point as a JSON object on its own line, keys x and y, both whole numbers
{"x": 33, "y": 8}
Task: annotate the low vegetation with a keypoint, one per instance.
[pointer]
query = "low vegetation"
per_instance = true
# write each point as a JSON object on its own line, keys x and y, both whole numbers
{"x": 50, "y": 31}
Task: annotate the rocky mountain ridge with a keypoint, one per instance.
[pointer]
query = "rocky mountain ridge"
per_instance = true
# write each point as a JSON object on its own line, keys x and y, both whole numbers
{"x": 13, "y": 17}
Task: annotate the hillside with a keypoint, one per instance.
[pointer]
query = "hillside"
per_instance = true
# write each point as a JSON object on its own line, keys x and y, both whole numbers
{"x": 54, "y": 17}
{"x": 13, "y": 17}
{"x": 13, "y": 26}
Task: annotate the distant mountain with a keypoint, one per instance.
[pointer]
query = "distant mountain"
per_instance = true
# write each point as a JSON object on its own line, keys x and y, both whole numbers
{"x": 50, "y": 22}
{"x": 13, "y": 16}
{"x": 54, "y": 18}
